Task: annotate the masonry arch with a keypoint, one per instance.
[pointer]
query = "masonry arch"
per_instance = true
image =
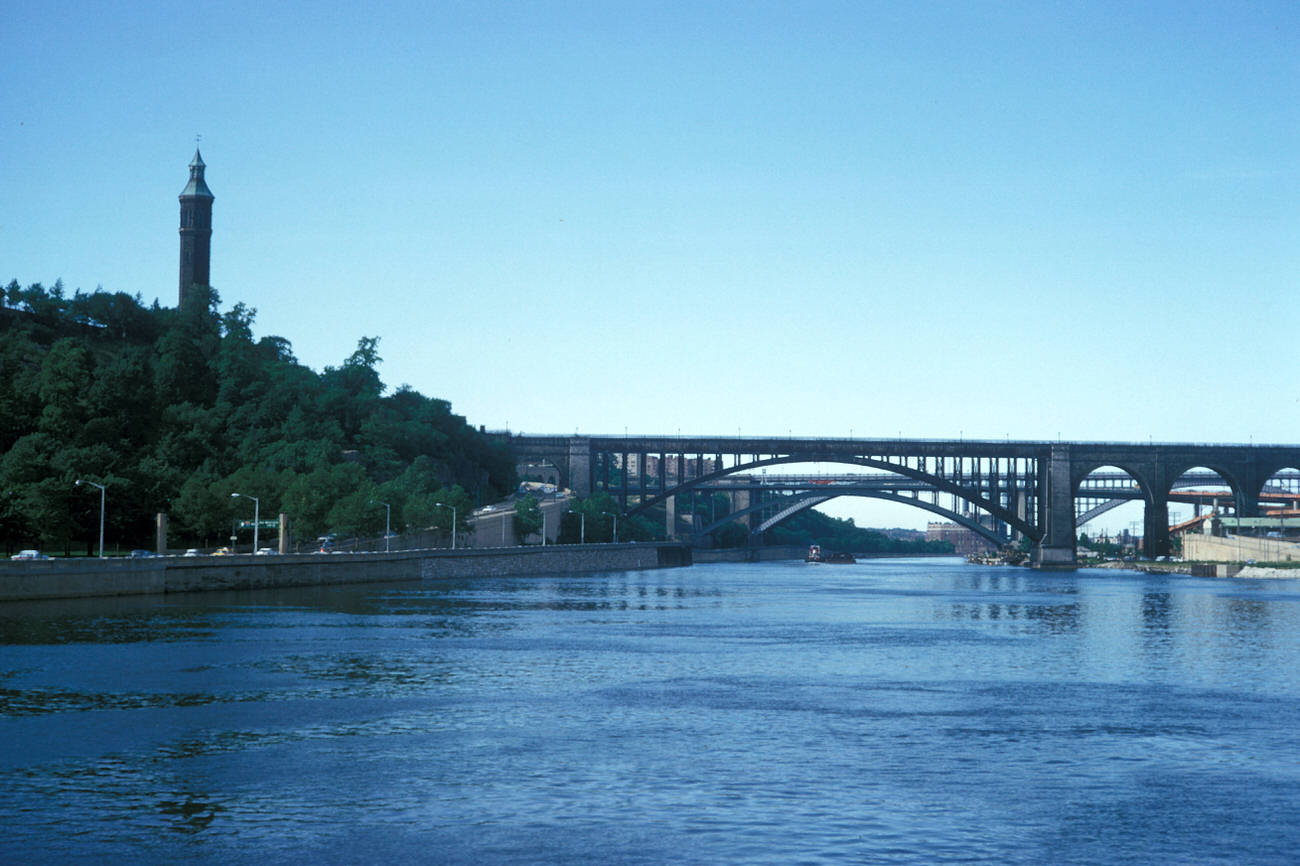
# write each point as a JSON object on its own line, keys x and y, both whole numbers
{"x": 1202, "y": 488}
{"x": 1112, "y": 506}
{"x": 1281, "y": 489}
{"x": 1190, "y": 477}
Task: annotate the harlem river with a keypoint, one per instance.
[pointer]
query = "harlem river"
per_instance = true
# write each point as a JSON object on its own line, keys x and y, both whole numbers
{"x": 893, "y": 711}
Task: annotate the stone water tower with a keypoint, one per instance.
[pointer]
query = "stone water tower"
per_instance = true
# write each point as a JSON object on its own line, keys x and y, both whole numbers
{"x": 196, "y": 237}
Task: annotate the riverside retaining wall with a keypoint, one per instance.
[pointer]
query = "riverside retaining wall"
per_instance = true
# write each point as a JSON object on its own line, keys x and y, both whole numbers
{"x": 748, "y": 554}
{"x": 82, "y": 578}
{"x": 1238, "y": 548}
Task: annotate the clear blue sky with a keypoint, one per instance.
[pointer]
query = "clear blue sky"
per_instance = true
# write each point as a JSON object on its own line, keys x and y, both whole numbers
{"x": 988, "y": 219}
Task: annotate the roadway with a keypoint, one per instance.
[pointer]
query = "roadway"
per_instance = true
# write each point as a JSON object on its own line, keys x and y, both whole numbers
{"x": 494, "y": 524}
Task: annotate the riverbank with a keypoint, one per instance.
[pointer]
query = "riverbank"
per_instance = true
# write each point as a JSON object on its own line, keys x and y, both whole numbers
{"x": 775, "y": 554}
{"x": 83, "y": 578}
{"x": 1203, "y": 569}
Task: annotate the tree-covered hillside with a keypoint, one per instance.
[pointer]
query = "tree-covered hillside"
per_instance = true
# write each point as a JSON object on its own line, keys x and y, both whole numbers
{"x": 174, "y": 412}
{"x": 834, "y": 533}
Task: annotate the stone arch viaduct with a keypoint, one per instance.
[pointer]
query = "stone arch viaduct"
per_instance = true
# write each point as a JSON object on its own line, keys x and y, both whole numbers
{"x": 1028, "y": 486}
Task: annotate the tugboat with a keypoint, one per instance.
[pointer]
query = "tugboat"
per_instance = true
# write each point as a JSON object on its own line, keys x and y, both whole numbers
{"x": 815, "y": 555}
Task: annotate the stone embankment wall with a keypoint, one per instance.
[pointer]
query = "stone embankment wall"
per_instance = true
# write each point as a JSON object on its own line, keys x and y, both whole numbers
{"x": 1212, "y": 548}
{"x": 80, "y": 578}
{"x": 768, "y": 554}
{"x": 748, "y": 554}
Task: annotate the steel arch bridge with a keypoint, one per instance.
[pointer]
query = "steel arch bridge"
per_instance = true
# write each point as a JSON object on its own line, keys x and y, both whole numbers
{"x": 1028, "y": 486}
{"x": 782, "y": 496}
{"x": 767, "y": 500}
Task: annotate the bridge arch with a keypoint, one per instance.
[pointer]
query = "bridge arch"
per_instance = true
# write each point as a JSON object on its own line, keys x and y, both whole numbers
{"x": 1099, "y": 491}
{"x": 802, "y": 502}
{"x": 1242, "y": 495}
{"x": 1283, "y": 478}
{"x": 1138, "y": 472}
{"x": 997, "y": 510}
{"x": 1242, "y": 500}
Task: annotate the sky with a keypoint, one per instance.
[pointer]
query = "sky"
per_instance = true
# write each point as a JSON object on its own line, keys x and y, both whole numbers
{"x": 1025, "y": 220}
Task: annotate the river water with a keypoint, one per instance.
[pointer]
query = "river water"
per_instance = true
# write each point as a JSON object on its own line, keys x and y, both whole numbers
{"x": 894, "y": 711}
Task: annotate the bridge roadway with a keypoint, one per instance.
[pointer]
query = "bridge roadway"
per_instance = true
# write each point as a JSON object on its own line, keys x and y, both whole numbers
{"x": 1028, "y": 486}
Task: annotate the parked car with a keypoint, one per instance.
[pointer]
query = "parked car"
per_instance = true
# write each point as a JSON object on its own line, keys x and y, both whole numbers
{"x": 29, "y": 554}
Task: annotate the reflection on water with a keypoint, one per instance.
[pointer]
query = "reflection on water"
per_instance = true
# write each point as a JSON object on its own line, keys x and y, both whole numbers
{"x": 895, "y": 711}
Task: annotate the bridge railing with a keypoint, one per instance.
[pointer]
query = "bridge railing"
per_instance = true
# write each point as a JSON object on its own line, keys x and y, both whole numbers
{"x": 790, "y": 437}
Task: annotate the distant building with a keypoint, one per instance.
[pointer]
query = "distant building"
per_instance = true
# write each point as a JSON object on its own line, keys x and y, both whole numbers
{"x": 964, "y": 541}
{"x": 675, "y": 467}
{"x": 196, "y": 237}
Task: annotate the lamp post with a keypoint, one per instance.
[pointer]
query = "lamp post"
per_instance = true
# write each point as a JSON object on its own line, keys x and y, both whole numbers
{"x": 388, "y": 518}
{"x": 615, "y": 516}
{"x": 453, "y": 521}
{"x": 582, "y": 527}
{"x": 257, "y": 513}
{"x": 101, "y": 513}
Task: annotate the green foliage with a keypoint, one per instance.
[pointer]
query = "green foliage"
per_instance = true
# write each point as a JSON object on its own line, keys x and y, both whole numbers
{"x": 175, "y": 411}
{"x": 834, "y": 534}
{"x": 599, "y": 512}
{"x": 528, "y": 517}
{"x": 641, "y": 528}
{"x": 731, "y": 535}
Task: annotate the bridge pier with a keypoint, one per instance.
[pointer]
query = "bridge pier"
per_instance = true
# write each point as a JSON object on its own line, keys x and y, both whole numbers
{"x": 740, "y": 502}
{"x": 578, "y": 477}
{"x": 1155, "y": 528}
{"x": 1056, "y": 512}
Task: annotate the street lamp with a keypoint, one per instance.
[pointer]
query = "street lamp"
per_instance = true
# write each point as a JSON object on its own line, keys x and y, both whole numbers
{"x": 101, "y": 513}
{"x": 453, "y": 521}
{"x": 388, "y": 516}
{"x": 257, "y": 513}
{"x": 582, "y": 531}
{"x": 615, "y": 516}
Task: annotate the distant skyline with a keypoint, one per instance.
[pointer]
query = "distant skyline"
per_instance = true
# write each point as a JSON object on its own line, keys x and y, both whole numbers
{"x": 992, "y": 220}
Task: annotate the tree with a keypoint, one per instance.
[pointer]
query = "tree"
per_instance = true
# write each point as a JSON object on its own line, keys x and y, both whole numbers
{"x": 731, "y": 535}
{"x": 528, "y": 517}
{"x": 66, "y": 373}
{"x": 20, "y": 402}
{"x": 445, "y": 500}
{"x": 199, "y": 513}
{"x": 182, "y": 407}
{"x": 599, "y": 512}
{"x": 311, "y": 499}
